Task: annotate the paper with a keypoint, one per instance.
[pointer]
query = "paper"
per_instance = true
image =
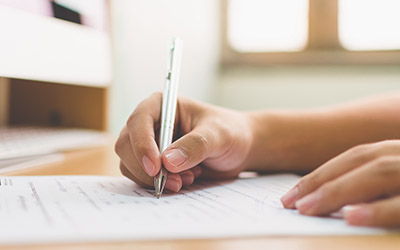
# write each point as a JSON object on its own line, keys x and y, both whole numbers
{"x": 37, "y": 209}
{"x": 16, "y": 164}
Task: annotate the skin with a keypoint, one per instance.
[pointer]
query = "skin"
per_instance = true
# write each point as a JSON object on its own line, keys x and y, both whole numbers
{"x": 351, "y": 152}
{"x": 367, "y": 175}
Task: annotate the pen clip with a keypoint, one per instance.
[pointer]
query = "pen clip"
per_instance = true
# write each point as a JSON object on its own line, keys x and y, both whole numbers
{"x": 171, "y": 59}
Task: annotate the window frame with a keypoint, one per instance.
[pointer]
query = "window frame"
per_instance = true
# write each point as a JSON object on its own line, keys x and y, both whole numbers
{"x": 323, "y": 46}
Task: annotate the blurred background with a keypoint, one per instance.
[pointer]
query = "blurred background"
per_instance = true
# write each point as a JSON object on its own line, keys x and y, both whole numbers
{"x": 241, "y": 54}
{"x": 257, "y": 54}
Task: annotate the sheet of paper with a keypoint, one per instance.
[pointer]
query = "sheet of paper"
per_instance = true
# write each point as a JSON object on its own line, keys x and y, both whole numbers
{"x": 96, "y": 208}
{"x": 16, "y": 164}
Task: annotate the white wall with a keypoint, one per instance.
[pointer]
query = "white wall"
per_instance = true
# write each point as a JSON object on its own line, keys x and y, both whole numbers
{"x": 247, "y": 88}
{"x": 141, "y": 30}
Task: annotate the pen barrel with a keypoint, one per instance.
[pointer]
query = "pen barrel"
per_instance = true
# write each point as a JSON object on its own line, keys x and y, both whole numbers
{"x": 168, "y": 109}
{"x": 167, "y": 131}
{"x": 170, "y": 95}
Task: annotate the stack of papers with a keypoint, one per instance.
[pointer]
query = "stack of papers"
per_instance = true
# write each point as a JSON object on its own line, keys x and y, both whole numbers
{"x": 24, "y": 147}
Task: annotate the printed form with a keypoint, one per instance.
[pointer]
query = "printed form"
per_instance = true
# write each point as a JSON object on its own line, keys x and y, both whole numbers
{"x": 38, "y": 209}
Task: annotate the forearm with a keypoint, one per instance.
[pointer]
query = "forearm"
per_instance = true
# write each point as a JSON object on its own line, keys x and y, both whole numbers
{"x": 303, "y": 140}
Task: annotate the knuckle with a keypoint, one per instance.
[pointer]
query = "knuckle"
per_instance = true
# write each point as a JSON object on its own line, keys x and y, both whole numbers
{"x": 141, "y": 147}
{"x": 384, "y": 161}
{"x": 226, "y": 134}
{"x": 360, "y": 151}
{"x": 133, "y": 118}
{"x": 120, "y": 144}
{"x": 190, "y": 107}
{"x": 303, "y": 184}
{"x": 139, "y": 141}
{"x": 360, "y": 148}
{"x": 387, "y": 144}
{"x": 117, "y": 146}
{"x": 363, "y": 153}
{"x": 328, "y": 190}
{"x": 308, "y": 183}
{"x": 156, "y": 95}
{"x": 386, "y": 166}
{"x": 143, "y": 105}
{"x": 201, "y": 141}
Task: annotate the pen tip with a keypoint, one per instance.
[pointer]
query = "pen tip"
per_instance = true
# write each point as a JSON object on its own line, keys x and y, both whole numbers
{"x": 158, "y": 195}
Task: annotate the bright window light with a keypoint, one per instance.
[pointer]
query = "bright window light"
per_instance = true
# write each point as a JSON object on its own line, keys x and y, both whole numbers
{"x": 268, "y": 25}
{"x": 369, "y": 24}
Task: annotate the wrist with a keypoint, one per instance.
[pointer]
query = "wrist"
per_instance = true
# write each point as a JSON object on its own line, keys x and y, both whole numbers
{"x": 263, "y": 149}
{"x": 279, "y": 142}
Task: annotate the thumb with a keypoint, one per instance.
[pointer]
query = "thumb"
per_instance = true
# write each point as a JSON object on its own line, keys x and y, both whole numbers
{"x": 189, "y": 150}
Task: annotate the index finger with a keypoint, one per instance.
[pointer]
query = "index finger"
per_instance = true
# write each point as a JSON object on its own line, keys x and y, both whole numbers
{"x": 141, "y": 126}
{"x": 376, "y": 179}
{"x": 336, "y": 167}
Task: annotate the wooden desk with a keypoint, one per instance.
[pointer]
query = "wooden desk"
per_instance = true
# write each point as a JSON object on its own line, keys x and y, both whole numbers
{"x": 103, "y": 161}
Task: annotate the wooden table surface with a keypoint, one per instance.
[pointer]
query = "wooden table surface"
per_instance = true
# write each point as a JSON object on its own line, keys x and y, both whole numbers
{"x": 103, "y": 161}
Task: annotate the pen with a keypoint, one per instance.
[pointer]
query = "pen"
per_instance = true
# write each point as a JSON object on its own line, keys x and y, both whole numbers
{"x": 168, "y": 109}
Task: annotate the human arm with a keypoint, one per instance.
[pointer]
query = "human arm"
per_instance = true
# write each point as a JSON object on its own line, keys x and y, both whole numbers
{"x": 366, "y": 176}
{"x": 221, "y": 143}
{"x": 303, "y": 140}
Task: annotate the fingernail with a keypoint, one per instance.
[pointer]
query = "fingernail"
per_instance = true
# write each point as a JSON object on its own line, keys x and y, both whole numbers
{"x": 148, "y": 165}
{"x": 289, "y": 197}
{"x": 176, "y": 157}
{"x": 172, "y": 185}
{"x": 358, "y": 216}
{"x": 306, "y": 204}
{"x": 187, "y": 178}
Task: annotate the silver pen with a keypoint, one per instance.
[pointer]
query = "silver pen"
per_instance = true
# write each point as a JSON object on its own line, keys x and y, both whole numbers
{"x": 168, "y": 109}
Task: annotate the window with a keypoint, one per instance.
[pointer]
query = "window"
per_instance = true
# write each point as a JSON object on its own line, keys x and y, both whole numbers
{"x": 311, "y": 31}
{"x": 268, "y": 25}
{"x": 375, "y": 26}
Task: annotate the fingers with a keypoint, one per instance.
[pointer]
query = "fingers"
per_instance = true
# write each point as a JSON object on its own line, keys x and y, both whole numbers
{"x": 138, "y": 150}
{"x": 328, "y": 171}
{"x": 197, "y": 171}
{"x": 174, "y": 182}
{"x": 141, "y": 128}
{"x": 338, "y": 166}
{"x": 371, "y": 181}
{"x": 130, "y": 166}
{"x": 384, "y": 213}
{"x": 129, "y": 175}
{"x": 208, "y": 139}
{"x": 187, "y": 177}
{"x": 191, "y": 149}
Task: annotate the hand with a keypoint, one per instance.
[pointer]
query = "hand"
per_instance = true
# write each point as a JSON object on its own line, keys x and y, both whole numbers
{"x": 210, "y": 141}
{"x": 367, "y": 176}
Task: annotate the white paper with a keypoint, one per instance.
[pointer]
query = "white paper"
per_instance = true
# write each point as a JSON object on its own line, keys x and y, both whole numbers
{"x": 16, "y": 164}
{"x": 37, "y": 209}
